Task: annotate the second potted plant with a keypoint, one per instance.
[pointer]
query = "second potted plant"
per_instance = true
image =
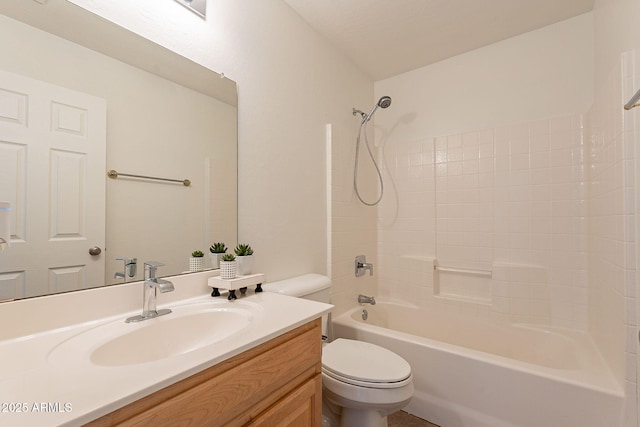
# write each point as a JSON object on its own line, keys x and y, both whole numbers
{"x": 244, "y": 255}
{"x": 228, "y": 266}
{"x": 215, "y": 253}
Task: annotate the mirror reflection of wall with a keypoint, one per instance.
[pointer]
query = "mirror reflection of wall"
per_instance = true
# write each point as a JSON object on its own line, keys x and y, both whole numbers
{"x": 155, "y": 127}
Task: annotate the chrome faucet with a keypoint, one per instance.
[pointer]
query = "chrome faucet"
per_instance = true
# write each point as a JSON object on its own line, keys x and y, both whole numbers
{"x": 130, "y": 269}
{"x": 151, "y": 286}
{"x": 362, "y": 266}
{"x": 363, "y": 299}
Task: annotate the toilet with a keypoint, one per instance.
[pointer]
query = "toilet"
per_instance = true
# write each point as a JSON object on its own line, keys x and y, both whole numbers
{"x": 362, "y": 383}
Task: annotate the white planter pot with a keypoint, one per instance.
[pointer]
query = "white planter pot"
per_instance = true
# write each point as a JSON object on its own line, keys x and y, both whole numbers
{"x": 214, "y": 260}
{"x": 245, "y": 265}
{"x": 196, "y": 263}
{"x": 228, "y": 269}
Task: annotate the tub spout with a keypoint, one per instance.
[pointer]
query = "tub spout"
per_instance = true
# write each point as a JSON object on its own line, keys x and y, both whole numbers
{"x": 363, "y": 299}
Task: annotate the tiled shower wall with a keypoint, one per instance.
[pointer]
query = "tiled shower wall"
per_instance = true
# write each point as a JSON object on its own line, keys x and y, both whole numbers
{"x": 612, "y": 225}
{"x": 508, "y": 200}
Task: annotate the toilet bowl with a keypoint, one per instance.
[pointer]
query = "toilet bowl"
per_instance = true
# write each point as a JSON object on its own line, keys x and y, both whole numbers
{"x": 362, "y": 383}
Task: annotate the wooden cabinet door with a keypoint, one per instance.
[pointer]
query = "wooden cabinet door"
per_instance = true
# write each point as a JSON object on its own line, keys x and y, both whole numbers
{"x": 300, "y": 408}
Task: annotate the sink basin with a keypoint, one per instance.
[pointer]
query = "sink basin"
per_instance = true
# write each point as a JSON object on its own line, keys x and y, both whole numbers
{"x": 172, "y": 336}
{"x": 188, "y": 328}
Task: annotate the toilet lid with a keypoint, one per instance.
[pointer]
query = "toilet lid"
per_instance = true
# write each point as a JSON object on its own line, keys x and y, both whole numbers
{"x": 363, "y": 362}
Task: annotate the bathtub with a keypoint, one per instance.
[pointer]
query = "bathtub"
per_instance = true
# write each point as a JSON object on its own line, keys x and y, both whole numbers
{"x": 474, "y": 373}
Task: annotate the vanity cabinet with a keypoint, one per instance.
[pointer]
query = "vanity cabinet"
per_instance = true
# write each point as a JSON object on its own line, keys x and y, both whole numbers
{"x": 277, "y": 383}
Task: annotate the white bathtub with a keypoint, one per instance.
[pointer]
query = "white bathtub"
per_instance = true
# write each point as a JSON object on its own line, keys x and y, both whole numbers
{"x": 473, "y": 373}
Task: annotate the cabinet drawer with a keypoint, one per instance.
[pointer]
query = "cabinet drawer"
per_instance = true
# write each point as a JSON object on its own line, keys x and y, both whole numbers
{"x": 300, "y": 408}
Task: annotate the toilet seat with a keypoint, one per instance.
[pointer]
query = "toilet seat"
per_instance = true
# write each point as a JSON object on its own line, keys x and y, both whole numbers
{"x": 364, "y": 364}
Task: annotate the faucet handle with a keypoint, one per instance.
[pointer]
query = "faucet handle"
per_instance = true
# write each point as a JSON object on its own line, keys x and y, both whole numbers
{"x": 152, "y": 266}
{"x": 361, "y": 266}
{"x": 129, "y": 269}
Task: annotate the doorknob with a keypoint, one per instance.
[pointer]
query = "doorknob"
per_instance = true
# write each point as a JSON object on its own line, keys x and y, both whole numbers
{"x": 94, "y": 251}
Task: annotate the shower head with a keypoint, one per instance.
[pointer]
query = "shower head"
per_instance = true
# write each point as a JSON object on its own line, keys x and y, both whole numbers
{"x": 383, "y": 102}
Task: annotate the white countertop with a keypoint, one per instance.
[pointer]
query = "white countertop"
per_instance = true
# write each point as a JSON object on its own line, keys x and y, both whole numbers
{"x": 39, "y": 390}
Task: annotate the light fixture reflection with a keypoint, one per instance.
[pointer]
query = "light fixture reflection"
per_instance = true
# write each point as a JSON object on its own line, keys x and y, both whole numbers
{"x": 199, "y": 7}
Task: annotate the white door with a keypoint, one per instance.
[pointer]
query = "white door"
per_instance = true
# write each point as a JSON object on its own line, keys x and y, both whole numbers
{"x": 52, "y": 171}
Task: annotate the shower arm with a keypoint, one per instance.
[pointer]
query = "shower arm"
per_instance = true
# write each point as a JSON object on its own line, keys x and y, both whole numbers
{"x": 356, "y": 112}
{"x": 633, "y": 102}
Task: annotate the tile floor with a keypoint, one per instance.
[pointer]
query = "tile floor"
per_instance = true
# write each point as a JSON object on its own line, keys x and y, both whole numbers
{"x": 402, "y": 419}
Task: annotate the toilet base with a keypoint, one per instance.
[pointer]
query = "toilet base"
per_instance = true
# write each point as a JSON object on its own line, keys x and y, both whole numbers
{"x": 339, "y": 411}
{"x": 362, "y": 418}
{"x": 352, "y": 417}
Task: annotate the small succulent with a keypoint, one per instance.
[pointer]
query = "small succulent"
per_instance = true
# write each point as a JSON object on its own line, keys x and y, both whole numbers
{"x": 197, "y": 254}
{"x": 243, "y": 250}
{"x": 228, "y": 257}
{"x": 218, "y": 248}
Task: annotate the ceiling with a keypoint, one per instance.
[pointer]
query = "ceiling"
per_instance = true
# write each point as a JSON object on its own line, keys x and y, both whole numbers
{"x": 385, "y": 38}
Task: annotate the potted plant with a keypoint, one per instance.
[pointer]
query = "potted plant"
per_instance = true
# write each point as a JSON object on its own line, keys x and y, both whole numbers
{"x": 244, "y": 255}
{"x": 228, "y": 266}
{"x": 196, "y": 262}
{"x": 216, "y": 250}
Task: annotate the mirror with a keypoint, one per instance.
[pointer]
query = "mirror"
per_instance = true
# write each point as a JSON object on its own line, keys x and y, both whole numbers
{"x": 155, "y": 113}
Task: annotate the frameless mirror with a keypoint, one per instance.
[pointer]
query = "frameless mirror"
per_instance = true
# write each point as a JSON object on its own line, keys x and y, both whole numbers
{"x": 80, "y": 96}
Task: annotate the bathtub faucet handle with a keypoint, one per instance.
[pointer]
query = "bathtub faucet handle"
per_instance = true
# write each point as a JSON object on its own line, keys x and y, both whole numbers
{"x": 362, "y": 266}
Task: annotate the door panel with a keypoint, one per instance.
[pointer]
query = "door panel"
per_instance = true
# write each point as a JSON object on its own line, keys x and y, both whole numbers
{"x": 52, "y": 163}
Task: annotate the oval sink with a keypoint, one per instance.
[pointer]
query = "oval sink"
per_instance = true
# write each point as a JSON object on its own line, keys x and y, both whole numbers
{"x": 187, "y": 328}
{"x": 169, "y": 337}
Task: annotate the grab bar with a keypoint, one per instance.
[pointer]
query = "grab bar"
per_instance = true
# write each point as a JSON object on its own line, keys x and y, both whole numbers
{"x": 114, "y": 174}
{"x": 633, "y": 102}
{"x": 463, "y": 270}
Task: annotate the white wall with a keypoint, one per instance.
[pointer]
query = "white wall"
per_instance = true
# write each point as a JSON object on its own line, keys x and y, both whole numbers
{"x": 537, "y": 75}
{"x": 290, "y": 84}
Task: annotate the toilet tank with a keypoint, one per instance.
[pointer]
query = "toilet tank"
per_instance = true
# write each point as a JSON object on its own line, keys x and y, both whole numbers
{"x": 315, "y": 287}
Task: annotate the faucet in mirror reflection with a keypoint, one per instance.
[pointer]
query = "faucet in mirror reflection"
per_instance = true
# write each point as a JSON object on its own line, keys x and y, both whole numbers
{"x": 129, "y": 271}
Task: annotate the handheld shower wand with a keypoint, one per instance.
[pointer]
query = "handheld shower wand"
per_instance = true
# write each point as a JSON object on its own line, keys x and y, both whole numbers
{"x": 383, "y": 102}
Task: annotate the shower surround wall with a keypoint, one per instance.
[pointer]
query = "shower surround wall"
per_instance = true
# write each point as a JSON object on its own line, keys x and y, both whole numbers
{"x": 484, "y": 154}
{"x": 508, "y": 200}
